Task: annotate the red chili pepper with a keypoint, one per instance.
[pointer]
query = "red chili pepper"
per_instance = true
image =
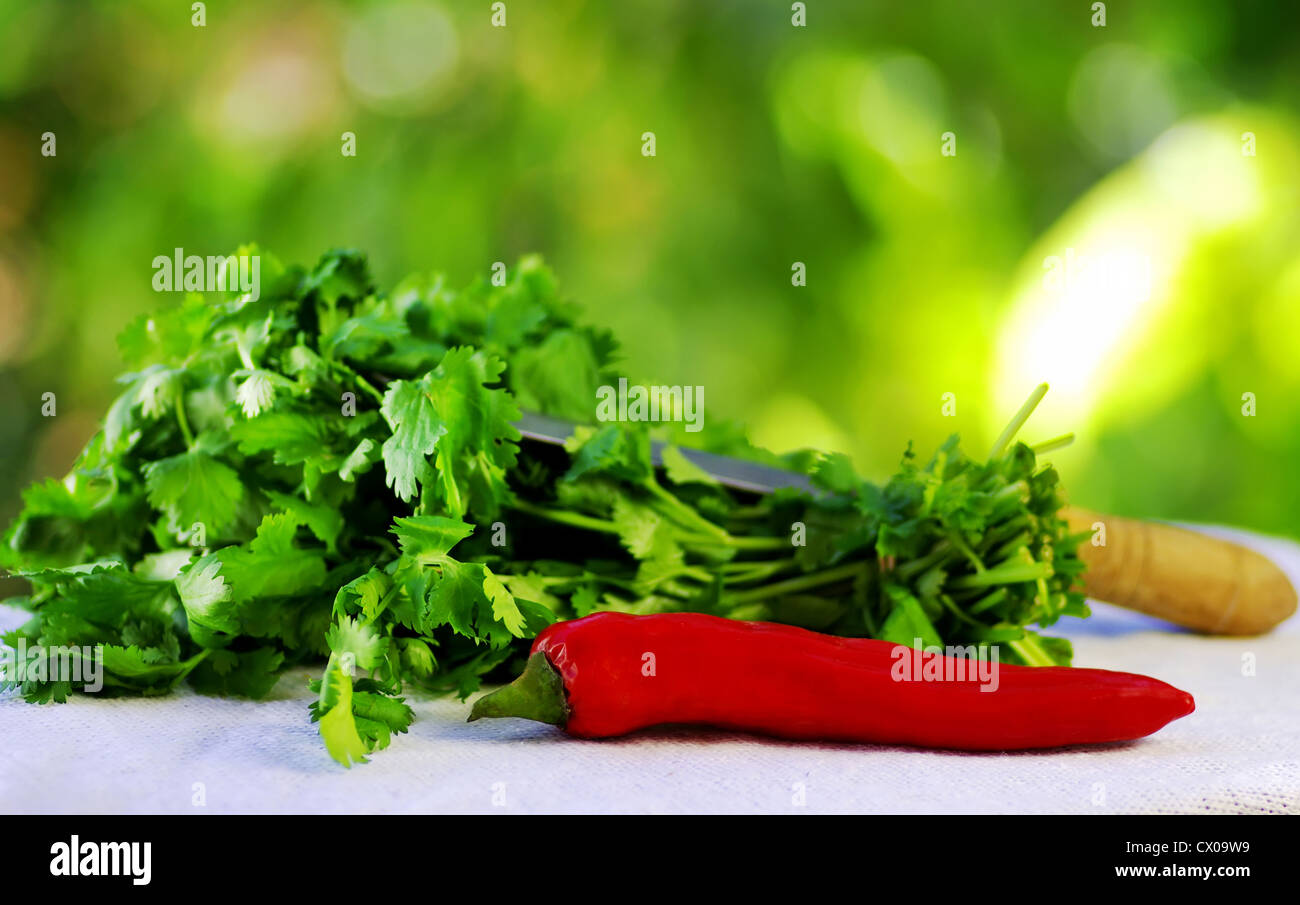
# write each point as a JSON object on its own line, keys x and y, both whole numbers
{"x": 612, "y": 673}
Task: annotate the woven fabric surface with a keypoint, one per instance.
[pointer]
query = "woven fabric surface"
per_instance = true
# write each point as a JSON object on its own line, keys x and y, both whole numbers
{"x": 1238, "y": 753}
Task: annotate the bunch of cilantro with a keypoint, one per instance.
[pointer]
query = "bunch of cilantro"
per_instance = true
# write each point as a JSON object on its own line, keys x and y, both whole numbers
{"x": 330, "y": 472}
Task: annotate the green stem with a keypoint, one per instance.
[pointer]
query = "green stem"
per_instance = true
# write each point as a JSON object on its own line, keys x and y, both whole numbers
{"x": 744, "y": 572}
{"x": 384, "y": 602}
{"x": 244, "y": 355}
{"x": 366, "y": 385}
{"x": 1031, "y": 651}
{"x": 1012, "y": 544}
{"x": 955, "y": 539}
{"x": 193, "y": 662}
{"x": 605, "y": 526}
{"x": 182, "y": 420}
{"x": 740, "y": 543}
{"x": 683, "y": 514}
{"x": 956, "y": 611}
{"x": 1011, "y": 573}
{"x": 1009, "y": 432}
{"x": 538, "y": 694}
{"x": 1017, "y": 490}
{"x": 802, "y": 583}
{"x": 574, "y": 519}
{"x": 1006, "y": 530}
{"x": 991, "y": 599}
{"x": 347, "y": 372}
{"x": 1053, "y": 444}
{"x": 941, "y": 550}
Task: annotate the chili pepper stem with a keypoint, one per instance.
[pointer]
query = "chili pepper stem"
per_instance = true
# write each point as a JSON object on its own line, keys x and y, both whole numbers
{"x": 538, "y": 694}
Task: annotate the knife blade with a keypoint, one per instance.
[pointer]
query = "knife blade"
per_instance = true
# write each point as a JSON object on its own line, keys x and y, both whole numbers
{"x": 738, "y": 474}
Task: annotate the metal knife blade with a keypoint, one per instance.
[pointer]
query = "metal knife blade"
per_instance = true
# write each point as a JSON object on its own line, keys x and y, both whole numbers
{"x": 739, "y": 474}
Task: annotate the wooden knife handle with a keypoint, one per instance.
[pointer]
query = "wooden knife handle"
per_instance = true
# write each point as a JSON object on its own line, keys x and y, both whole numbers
{"x": 1201, "y": 582}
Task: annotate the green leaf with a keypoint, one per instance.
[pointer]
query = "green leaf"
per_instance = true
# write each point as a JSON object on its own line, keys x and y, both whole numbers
{"x": 271, "y": 565}
{"x": 358, "y": 461}
{"x": 356, "y": 642}
{"x": 559, "y": 376}
{"x": 164, "y": 566}
{"x": 682, "y": 470}
{"x": 429, "y": 538}
{"x": 391, "y": 711}
{"x": 207, "y": 600}
{"x": 108, "y": 598}
{"x": 620, "y": 450}
{"x": 454, "y": 413}
{"x": 158, "y": 389}
{"x": 908, "y": 621}
{"x": 194, "y": 487}
{"x": 136, "y": 668}
{"x": 324, "y": 521}
{"x": 469, "y": 599}
{"x": 257, "y": 392}
{"x": 417, "y": 657}
{"x": 251, "y": 674}
{"x": 363, "y": 595}
{"x": 338, "y": 728}
{"x": 364, "y": 336}
{"x": 642, "y": 530}
{"x": 532, "y": 586}
{"x": 417, "y": 427}
{"x": 291, "y": 437}
{"x": 504, "y": 609}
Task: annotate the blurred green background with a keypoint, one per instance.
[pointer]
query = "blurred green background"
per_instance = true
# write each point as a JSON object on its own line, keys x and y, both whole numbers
{"x": 1102, "y": 225}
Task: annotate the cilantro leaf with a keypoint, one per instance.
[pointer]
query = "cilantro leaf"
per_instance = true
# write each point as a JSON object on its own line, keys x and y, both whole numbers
{"x": 194, "y": 488}
{"x": 271, "y": 564}
{"x": 453, "y": 413}
{"x": 207, "y": 599}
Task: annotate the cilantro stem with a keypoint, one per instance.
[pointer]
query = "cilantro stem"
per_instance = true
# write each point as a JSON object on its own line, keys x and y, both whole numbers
{"x": 1053, "y": 444}
{"x": 244, "y": 356}
{"x": 360, "y": 381}
{"x": 739, "y": 543}
{"x": 193, "y": 662}
{"x": 1030, "y": 650}
{"x": 956, "y": 611}
{"x": 605, "y": 526}
{"x": 383, "y": 603}
{"x": 366, "y": 385}
{"x": 1017, "y": 490}
{"x": 699, "y": 574}
{"x": 991, "y": 599}
{"x": 682, "y": 514}
{"x": 941, "y": 550}
{"x": 1009, "y": 432}
{"x": 182, "y": 420}
{"x": 743, "y": 572}
{"x": 574, "y": 519}
{"x": 1008, "y": 573}
{"x": 803, "y": 582}
{"x": 955, "y": 539}
{"x": 1004, "y": 533}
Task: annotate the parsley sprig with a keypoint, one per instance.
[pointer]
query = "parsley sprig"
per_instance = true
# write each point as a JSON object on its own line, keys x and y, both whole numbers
{"x": 330, "y": 472}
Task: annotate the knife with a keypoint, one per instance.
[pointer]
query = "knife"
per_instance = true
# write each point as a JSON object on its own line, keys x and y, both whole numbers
{"x": 738, "y": 474}
{"x": 1185, "y": 577}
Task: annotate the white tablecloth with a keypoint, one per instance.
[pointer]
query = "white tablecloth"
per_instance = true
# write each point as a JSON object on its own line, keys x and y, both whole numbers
{"x": 1238, "y": 753}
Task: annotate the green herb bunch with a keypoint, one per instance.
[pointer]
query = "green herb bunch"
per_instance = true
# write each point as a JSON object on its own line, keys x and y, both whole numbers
{"x": 329, "y": 472}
